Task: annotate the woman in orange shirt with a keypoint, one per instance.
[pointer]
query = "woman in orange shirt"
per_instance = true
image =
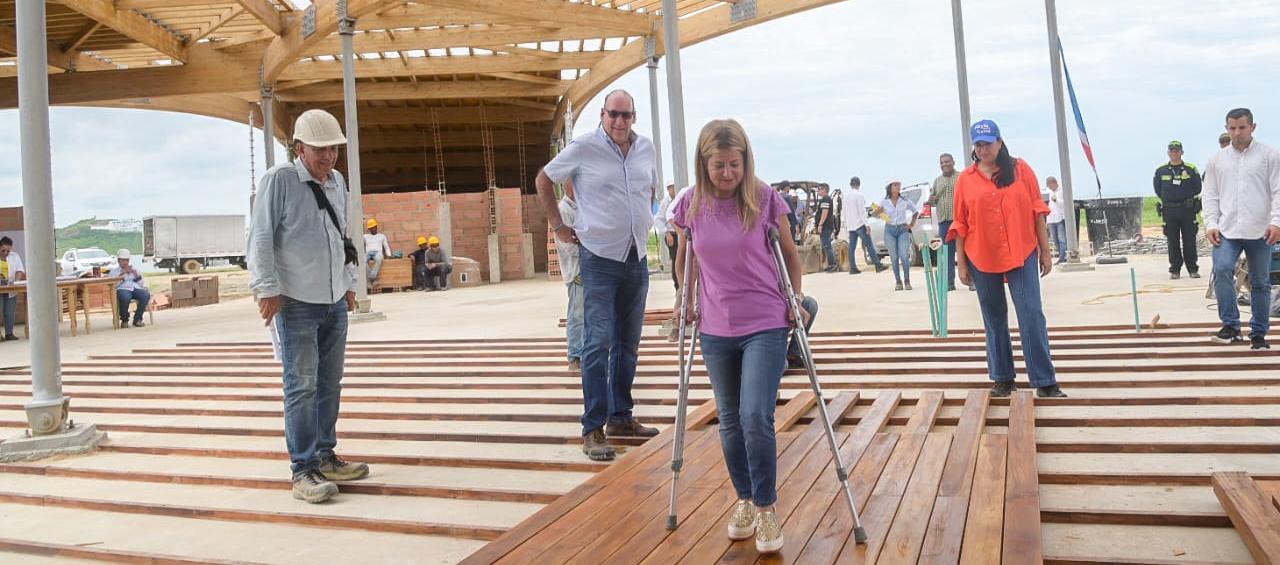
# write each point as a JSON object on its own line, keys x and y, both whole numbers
{"x": 1000, "y": 236}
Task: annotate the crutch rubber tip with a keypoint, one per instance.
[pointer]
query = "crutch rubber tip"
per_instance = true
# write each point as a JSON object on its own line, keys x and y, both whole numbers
{"x": 671, "y": 523}
{"x": 860, "y": 535}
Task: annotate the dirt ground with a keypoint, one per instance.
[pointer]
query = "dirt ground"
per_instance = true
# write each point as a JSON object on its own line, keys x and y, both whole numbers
{"x": 233, "y": 282}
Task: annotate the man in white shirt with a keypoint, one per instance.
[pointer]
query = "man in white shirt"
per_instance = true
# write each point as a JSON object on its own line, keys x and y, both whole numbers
{"x": 567, "y": 252}
{"x": 11, "y": 271}
{"x": 1057, "y": 220}
{"x": 1241, "y": 199}
{"x": 376, "y": 249}
{"x": 133, "y": 287}
{"x": 854, "y": 217}
{"x": 662, "y": 224}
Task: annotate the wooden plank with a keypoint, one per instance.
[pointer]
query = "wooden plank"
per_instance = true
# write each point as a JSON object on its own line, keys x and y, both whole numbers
{"x": 906, "y": 535}
{"x": 631, "y": 462}
{"x": 984, "y": 524}
{"x": 1254, "y": 517}
{"x": 1022, "y": 542}
{"x": 791, "y": 412}
{"x": 946, "y": 524}
{"x": 926, "y": 412}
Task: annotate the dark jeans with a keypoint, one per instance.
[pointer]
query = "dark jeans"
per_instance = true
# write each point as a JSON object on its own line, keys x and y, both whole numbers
{"x": 1180, "y": 229}
{"x": 1258, "y": 257}
{"x": 862, "y": 234}
{"x": 827, "y": 235}
{"x": 613, "y": 298}
{"x": 1024, "y": 287}
{"x": 124, "y": 297}
{"x": 745, "y": 373}
{"x": 438, "y": 276}
{"x": 812, "y": 306}
{"x": 672, "y": 249}
{"x": 313, "y": 345}
{"x": 9, "y": 305}
{"x": 943, "y": 227}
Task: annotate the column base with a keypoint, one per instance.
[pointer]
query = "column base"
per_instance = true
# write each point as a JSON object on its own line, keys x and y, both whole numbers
{"x": 1072, "y": 267}
{"x": 76, "y": 439}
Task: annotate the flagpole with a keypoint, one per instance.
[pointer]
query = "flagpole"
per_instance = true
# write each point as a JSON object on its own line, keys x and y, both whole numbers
{"x": 1060, "y": 118}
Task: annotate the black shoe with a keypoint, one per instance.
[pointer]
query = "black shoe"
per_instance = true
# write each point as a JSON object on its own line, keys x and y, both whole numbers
{"x": 880, "y": 267}
{"x": 124, "y": 324}
{"x": 1258, "y": 341}
{"x": 832, "y": 269}
{"x": 1003, "y": 388}
{"x": 1226, "y": 336}
{"x": 855, "y": 271}
{"x": 10, "y": 337}
{"x": 1051, "y": 391}
{"x": 1175, "y": 276}
{"x": 139, "y": 324}
{"x": 1195, "y": 274}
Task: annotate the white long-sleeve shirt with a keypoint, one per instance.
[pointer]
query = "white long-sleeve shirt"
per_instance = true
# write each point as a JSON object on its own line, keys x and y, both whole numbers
{"x": 377, "y": 242}
{"x": 567, "y": 253}
{"x": 853, "y": 214}
{"x": 1241, "y": 193}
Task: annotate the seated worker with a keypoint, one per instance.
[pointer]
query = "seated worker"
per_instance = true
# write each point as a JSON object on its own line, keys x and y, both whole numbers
{"x": 130, "y": 289}
{"x": 419, "y": 258}
{"x": 438, "y": 265}
{"x": 376, "y": 249}
{"x": 11, "y": 271}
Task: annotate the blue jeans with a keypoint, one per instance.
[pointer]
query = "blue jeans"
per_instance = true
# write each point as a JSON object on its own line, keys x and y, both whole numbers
{"x": 313, "y": 345}
{"x": 573, "y": 321}
{"x": 1024, "y": 286}
{"x": 812, "y": 306}
{"x": 898, "y": 239}
{"x": 124, "y": 297}
{"x": 827, "y": 236}
{"x": 1258, "y": 256}
{"x": 943, "y": 227}
{"x": 376, "y": 257}
{"x": 745, "y": 373}
{"x": 613, "y": 298}
{"x": 862, "y": 234}
{"x": 9, "y": 304}
{"x": 1058, "y": 231}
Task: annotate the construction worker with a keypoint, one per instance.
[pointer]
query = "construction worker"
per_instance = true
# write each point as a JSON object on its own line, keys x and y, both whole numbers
{"x": 376, "y": 249}
{"x": 419, "y": 258}
{"x": 1177, "y": 183}
{"x": 438, "y": 265}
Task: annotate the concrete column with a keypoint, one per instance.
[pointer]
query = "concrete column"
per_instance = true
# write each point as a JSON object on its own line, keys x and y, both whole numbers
{"x": 355, "y": 206}
{"x": 675, "y": 93}
{"x": 962, "y": 80}
{"x": 495, "y": 241}
{"x": 445, "y": 220}
{"x": 268, "y": 126}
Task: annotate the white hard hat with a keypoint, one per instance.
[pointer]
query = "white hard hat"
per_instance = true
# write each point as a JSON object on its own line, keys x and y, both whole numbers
{"x": 122, "y": 254}
{"x": 318, "y": 128}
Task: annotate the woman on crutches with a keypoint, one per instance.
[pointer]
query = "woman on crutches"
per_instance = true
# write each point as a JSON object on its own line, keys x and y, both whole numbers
{"x": 743, "y": 315}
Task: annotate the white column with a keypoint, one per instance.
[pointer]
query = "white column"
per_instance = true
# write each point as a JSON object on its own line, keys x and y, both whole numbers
{"x": 675, "y": 93}
{"x": 355, "y": 206}
{"x": 1060, "y": 117}
{"x": 37, "y": 214}
{"x": 962, "y": 81}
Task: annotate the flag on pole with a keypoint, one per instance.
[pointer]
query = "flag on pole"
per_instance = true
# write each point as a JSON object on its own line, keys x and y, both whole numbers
{"x": 1075, "y": 108}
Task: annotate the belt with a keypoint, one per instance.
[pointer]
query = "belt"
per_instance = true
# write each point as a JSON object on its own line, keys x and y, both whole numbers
{"x": 1178, "y": 203}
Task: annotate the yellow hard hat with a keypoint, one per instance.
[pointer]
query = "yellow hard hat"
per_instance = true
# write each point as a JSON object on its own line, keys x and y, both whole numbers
{"x": 433, "y": 241}
{"x": 372, "y": 223}
{"x": 422, "y": 240}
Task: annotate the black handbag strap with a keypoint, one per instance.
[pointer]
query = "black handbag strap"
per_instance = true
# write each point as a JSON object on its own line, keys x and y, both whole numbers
{"x": 323, "y": 202}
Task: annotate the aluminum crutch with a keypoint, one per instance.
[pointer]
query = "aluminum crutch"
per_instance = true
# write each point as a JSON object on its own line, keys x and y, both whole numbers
{"x": 802, "y": 338}
{"x": 688, "y": 295}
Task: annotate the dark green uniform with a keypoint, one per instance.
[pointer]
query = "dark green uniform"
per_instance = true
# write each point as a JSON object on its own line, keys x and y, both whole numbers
{"x": 1178, "y": 187}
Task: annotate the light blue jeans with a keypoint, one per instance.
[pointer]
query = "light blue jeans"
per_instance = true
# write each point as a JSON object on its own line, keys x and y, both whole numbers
{"x": 1058, "y": 231}
{"x": 573, "y": 321}
{"x": 313, "y": 346}
{"x": 1258, "y": 256}
{"x": 862, "y": 234}
{"x": 745, "y": 374}
{"x": 377, "y": 258}
{"x": 1024, "y": 287}
{"x": 898, "y": 239}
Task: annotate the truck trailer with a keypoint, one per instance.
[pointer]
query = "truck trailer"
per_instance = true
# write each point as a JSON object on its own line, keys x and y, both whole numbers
{"x": 187, "y": 244}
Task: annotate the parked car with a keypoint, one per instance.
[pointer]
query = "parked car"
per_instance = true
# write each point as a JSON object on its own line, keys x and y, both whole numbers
{"x": 76, "y": 262}
{"x": 926, "y": 226}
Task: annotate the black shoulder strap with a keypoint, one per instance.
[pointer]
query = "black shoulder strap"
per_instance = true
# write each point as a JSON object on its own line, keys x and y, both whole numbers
{"x": 323, "y": 202}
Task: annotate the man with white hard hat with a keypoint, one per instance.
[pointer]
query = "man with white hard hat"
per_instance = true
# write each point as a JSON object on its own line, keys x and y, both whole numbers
{"x": 130, "y": 289}
{"x": 302, "y": 270}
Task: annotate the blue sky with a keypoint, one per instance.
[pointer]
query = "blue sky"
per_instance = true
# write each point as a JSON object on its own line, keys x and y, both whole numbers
{"x": 862, "y": 87}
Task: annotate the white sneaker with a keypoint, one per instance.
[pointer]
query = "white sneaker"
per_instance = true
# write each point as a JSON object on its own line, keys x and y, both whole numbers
{"x": 742, "y": 522}
{"x": 768, "y": 532}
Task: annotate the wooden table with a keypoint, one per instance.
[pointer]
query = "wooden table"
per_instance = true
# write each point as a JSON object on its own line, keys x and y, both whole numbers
{"x": 73, "y": 289}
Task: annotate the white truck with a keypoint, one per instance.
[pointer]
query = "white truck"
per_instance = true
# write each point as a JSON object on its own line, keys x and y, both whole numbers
{"x": 188, "y": 243}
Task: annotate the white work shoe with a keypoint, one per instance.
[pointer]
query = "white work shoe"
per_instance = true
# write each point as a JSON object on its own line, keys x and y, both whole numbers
{"x": 742, "y": 521}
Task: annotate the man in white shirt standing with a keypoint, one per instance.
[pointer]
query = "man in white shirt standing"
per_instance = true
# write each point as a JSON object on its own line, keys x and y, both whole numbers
{"x": 666, "y": 231}
{"x": 567, "y": 252}
{"x": 376, "y": 249}
{"x": 11, "y": 271}
{"x": 854, "y": 216}
{"x": 1242, "y": 214}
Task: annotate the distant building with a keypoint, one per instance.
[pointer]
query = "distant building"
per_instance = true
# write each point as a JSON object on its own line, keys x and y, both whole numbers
{"x": 117, "y": 226}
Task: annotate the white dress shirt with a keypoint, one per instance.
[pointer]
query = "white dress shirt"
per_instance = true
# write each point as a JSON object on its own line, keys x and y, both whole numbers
{"x": 853, "y": 214}
{"x": 1241, "y": 193}
{"x": 1055, "y": 207}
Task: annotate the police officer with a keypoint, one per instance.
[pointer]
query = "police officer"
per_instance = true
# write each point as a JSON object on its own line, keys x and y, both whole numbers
{"x": 1177, "y": 183}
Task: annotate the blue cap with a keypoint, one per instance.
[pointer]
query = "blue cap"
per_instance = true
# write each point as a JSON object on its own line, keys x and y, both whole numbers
{"x": 984, "y": 131}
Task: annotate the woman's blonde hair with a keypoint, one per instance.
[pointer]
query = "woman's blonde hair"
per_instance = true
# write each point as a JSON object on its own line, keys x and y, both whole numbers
{"x": 720, "y": 135}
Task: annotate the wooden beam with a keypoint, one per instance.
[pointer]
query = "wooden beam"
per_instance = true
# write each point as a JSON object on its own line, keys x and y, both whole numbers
{"x": 423, "y": 91}
{"x": 469, "y": 115}
{"x": 603, "y": 19}
{"x": 286, "y": 49}
{"x": 131, "y": 25}
{"x": 443, "y": 38}
{"x": 57, "y": 57}
{"x": 81, "y": 36}
{"x": 211, "y": 105}
{"x": 429, "y": 66}
{"x": 227, "y": 15}
{"x": 524, "y": 77}
{"x": 371, "y": 138}
{"x": 266, "y": 13}
{"x": 419, "y": 15}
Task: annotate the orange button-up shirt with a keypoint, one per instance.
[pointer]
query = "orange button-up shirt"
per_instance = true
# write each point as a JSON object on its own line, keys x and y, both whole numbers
{"x": 998, "y": 224}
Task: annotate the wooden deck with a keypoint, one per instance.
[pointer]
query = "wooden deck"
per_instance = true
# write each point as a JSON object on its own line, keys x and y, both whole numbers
{"x": 474, "y": 449}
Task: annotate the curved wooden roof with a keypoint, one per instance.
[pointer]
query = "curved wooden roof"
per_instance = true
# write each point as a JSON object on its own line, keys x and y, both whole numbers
{"x": 429, "y": 71}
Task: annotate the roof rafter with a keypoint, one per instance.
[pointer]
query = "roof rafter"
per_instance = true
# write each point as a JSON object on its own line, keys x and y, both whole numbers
{"x": 266, "y": 13}
{"x": 66, "y": 60}
{"x": 428, "y": 66}
{"x": 131, "y": 25}
{"x": 423, "y": 91}
{"x": 601, "y": 18}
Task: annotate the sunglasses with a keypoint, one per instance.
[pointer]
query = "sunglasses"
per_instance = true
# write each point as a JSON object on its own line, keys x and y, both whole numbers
{"x": 615, "y": 114}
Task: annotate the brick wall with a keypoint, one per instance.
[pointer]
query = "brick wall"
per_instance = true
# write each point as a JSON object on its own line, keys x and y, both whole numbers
{"x": 11, "y": 219}
{"x": 403, "y": 216}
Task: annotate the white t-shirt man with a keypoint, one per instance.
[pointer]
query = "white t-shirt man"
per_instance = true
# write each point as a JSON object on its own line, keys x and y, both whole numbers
{"x": 377, "y": 242}
{"x": 854, "y": 212}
